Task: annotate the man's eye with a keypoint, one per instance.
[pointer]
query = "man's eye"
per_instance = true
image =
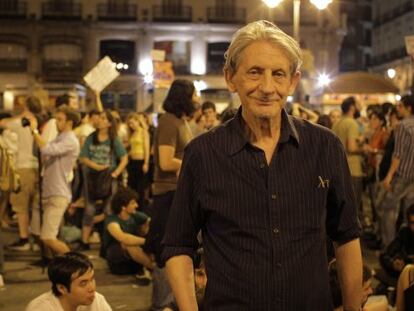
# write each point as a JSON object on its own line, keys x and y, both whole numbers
{"x": 278, "y": 74}
{"x": 254, "y": 72}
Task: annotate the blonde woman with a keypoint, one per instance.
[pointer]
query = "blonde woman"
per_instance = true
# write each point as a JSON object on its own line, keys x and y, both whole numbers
{"x": 139, "y": 153}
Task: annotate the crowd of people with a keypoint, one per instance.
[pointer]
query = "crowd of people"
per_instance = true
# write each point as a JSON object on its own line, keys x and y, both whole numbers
{"x": 148, "y": 191}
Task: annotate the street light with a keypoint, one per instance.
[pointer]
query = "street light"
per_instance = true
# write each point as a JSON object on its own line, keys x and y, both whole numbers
{"x": 320, "y": 4}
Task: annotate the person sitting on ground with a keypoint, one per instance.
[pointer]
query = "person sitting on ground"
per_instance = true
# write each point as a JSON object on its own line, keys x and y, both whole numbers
{"x": 401, "y": 250}
{"x": 405, "y": 289}
{"x": 124, "y": 235}
{"x": 73, "y": 286}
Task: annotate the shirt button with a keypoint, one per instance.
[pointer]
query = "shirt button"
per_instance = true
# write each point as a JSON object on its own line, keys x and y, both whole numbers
{"x": 262, "y": 165}
{"x": 275, "y": 230}
{"x": 273, "y": 196}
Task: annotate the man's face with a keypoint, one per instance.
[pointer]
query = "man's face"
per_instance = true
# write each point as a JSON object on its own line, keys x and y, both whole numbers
{"x": 82, "y": 289}
{"x": 403, "y": 111}
{"x": 131, "y": 207}
{"x": 61, "y": 122}
{"x": 210, "y": 116}
{"x": 209, "y": 113}
{"x": 263, "y": 80}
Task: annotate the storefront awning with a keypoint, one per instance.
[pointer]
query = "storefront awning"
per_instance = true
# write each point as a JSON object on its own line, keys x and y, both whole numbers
{"x": 361, "y": 83}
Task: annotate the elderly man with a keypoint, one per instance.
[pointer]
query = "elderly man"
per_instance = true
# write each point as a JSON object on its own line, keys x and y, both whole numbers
{"x": 264, "y": 188}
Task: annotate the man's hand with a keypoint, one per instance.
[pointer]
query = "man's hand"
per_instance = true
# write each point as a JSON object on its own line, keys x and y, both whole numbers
{"x": 115, "y": 174}
{"x": 398, "y": 264}
{"x": 33, "y": 123}
{"x": 101, "y": 167}
{"x": 387, "y": 183}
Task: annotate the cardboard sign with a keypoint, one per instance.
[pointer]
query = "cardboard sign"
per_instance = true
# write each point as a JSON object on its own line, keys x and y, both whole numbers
{"x": 163, "y": 74}
{"x": 158, "y": 55}
{"x": 100, "y": 76}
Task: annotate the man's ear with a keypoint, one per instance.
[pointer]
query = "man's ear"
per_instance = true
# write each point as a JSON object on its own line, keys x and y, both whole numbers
{"x": 228, "y": 75}
{"x": 294, "y": 81}
{"x": 62, "y": 289}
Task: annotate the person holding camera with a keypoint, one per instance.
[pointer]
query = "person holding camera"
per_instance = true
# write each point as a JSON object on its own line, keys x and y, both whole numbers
{"x": 58, "y": 157}
{"x": 27, "y": 166}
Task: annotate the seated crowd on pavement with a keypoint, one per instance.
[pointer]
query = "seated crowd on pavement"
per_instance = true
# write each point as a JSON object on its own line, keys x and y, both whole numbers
{"x": 98, "y": 176}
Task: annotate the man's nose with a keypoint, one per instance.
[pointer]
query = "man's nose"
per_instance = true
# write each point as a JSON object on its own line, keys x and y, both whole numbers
{"x": 92, "y": 286}
{"x": 267, "y": 84}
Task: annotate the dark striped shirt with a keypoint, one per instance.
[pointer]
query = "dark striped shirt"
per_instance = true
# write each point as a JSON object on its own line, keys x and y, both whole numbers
{"x": 264, "y": 226}
{"x": 404, "y": 148}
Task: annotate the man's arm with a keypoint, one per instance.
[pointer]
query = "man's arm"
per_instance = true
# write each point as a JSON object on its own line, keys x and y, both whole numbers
{"x": 395, "y": 163}
{"x": 124, "y": 238}
{"x": 349, "y": 260}
{"x": 166, "y": 159}
{"x": 180, "y": 272}
{"x": 121, "y": 166}
{"x": 36, "y": 135}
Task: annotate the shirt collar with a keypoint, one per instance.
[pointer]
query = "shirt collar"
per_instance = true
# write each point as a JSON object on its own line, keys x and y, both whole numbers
{"x": 240, "y": 139}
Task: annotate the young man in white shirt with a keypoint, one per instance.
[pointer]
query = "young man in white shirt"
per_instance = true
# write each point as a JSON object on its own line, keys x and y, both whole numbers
{"x": 73, "y": 286}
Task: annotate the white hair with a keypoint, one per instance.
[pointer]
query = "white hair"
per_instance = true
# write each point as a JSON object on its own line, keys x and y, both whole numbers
{"x": 257, "y": 31}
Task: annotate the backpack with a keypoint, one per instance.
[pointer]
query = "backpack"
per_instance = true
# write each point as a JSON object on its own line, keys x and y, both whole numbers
{"x": 9, "y": 179}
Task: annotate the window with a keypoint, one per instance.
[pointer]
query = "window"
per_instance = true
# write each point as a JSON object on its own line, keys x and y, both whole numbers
{"x": 62, "y": 52}
{"x": 121, "y": 52}
{"x": 178, "y": 52}
{"x": 12, "y": 51}
{"x": 215, "y": 56}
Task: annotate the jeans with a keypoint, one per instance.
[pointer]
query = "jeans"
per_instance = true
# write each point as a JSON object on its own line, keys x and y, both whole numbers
{"x": 90, "y": 208}
{"x": 162, "y": 295}
{"x": 388, "y": 209}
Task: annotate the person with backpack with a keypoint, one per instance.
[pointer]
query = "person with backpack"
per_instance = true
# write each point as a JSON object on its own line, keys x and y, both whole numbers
{"x": 105, "y": 158}
{"x": 27, "y": 166}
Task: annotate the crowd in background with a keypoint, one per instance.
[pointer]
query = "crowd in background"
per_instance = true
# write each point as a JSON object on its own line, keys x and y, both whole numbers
{"x": 122, "y": 173}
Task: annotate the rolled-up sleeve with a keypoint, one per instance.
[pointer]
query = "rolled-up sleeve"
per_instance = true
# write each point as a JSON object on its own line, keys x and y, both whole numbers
{"x": 185, "y": 216}
{"x": 342, "y": 223}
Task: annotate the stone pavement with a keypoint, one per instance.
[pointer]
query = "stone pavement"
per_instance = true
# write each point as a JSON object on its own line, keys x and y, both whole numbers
{"x": 24, "y": 282}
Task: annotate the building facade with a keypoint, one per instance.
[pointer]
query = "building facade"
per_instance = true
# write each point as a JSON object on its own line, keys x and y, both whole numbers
{"x": 393, "y": 20}
{"x": 356, "y": 51}
{"x": 49, "y": 45}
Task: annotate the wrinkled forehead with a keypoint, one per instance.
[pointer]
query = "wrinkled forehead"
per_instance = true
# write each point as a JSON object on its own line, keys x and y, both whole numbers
{"x": 275, "y": 53}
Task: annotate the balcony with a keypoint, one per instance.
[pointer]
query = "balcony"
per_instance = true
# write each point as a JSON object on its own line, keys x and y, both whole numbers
{"x": 13, "y": 65}
{"x": 117, "y": 12}
{"x": 226, "y": 15}
{"x": 389, "y": 56}
{"x": 62, "y": 70}
{"x": 394, "y": 14}
{"x": 14, "y": 10}
{"x": 178, "y": 14}
{"x": 53, "y": 10}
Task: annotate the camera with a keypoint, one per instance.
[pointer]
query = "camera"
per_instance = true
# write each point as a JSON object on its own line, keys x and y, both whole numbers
{"x": 41, "y": 118}
{"x": 25, "y": 122}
